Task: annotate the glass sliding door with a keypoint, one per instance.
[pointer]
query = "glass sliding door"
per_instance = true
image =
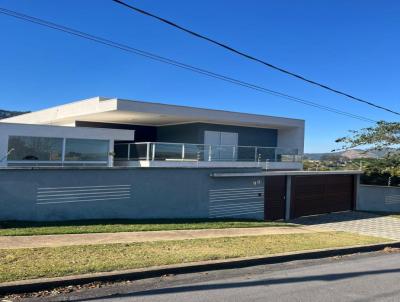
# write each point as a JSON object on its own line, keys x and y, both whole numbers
{"x": 229, "y": 143}
{"x": 220, "y": 146}
{"x": 211, "y": 139}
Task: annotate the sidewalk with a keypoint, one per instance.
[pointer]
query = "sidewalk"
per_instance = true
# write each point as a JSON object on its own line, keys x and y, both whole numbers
{"x": 14, "y": 242}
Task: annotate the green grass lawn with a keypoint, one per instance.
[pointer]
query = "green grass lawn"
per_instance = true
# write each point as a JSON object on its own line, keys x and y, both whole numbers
{"x": 14, "y": 228}
{"x": 19, "y": 264}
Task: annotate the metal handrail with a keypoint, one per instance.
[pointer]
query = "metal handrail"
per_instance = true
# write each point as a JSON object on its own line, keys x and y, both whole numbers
{"x": 208, "y": 152}
{"x": 169, "y": 143}
{"x": 7, "y": 154}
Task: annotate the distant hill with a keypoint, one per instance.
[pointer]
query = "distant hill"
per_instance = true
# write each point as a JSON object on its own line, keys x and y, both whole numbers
{"x": 6, "y": 113}
{"x": 349, "y": 154}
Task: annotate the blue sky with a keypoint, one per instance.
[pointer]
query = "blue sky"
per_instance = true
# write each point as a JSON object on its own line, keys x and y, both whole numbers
{"x": 353, "y": 46}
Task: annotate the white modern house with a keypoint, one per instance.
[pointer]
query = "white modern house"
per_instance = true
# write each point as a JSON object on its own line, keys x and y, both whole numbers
{"x": 115, "y": 132}
{"x": 107, "y": 158}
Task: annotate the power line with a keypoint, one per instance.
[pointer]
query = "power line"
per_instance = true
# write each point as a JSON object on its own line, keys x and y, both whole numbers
{"x": 176, "y": 63}
{"x": 238, "y": 52}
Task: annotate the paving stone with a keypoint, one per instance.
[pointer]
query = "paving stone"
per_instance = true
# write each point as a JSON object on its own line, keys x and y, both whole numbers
{"x": 356, "y": 222}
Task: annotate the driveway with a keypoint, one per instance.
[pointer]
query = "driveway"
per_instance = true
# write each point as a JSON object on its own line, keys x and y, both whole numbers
{"x": 355, "y": 222}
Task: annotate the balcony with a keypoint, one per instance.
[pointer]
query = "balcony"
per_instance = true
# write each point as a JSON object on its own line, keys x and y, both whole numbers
{"x": 160, "y": 154}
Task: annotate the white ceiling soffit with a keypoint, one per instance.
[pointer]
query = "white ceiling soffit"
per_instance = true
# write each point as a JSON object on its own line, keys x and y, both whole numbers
{"x": 145, "y": 113}
{"x": 162, "y": 114}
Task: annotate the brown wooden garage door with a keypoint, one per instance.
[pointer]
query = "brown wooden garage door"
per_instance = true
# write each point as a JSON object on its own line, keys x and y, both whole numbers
{"x": 318, "y": 194}
{"x": 275, "y": 197}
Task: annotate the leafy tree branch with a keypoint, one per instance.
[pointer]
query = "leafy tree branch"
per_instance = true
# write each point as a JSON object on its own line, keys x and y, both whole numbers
{"x": 383, "y": 135}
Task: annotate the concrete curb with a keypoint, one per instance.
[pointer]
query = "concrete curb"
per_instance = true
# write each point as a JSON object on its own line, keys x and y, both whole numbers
{"x": 26, "y": 286}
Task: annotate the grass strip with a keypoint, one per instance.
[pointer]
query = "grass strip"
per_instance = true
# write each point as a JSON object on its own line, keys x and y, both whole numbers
{"x": 18, "y": 228}
{"x": 19, "y": 264}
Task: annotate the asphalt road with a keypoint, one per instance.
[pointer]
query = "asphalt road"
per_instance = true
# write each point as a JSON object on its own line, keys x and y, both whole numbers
{"x": 371, "y": 277}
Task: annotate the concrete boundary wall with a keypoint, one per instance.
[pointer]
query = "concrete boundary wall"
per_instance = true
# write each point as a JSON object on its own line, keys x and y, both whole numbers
{"x": 378, "y": 198}
{"x": 53, "y": 194}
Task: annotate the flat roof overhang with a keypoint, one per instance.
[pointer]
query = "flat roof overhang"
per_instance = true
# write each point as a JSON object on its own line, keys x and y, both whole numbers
{"x": 113, "y": 110}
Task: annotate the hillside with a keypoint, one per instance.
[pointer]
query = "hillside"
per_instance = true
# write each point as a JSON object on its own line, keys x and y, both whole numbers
{"x": 6, "y": 113}
{"x": 349, "y": 154}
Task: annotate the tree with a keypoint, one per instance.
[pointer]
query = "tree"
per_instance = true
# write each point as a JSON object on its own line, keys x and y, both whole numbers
{"x": 384, "y": 135}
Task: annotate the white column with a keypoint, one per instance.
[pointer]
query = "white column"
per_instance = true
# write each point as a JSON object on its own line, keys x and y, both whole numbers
{"x": 3, "y": 150}
{"x": 153, "y": 151}
{"x": 111, "y": 153}
{"x": 147, "y": 151}
{"x": 63, "y": 151}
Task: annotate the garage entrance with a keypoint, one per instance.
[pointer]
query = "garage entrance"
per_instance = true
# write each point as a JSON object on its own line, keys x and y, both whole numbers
{"x": 318, "y": 194}
{"x": 274, "y": 197}
{"x": 292, "y": 194}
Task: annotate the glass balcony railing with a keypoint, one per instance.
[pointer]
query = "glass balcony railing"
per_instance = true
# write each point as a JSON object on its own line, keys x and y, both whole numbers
{"x": 196, "y": 152}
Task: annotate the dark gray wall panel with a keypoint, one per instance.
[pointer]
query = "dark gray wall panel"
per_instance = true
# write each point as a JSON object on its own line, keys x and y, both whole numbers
{"x": 136, "y": 193}
{"x": 194, "y": 133}
{"x": 185, "y": 133}
{"x": 142, "y": 133}
{"x": 378, "y": 199}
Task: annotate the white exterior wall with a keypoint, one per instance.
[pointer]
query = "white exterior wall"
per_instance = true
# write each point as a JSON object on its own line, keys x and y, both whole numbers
{"x": 291, "y": 138}
{"x": 111, "y": 135}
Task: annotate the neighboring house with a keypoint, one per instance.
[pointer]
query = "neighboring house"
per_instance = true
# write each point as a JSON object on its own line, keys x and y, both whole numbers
{"x": 113, "y": 158}
{"x": 164, "y": 135}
